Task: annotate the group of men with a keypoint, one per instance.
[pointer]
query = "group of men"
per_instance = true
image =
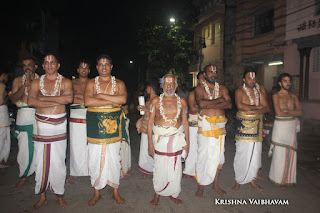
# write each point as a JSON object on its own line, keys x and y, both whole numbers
{"x": 194, "y": 129}
{"x": 173, "y": 129}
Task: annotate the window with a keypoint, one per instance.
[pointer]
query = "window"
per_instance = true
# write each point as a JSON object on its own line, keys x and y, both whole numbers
{"x": 263, "y": 22}
{"x": 316, "y": 59}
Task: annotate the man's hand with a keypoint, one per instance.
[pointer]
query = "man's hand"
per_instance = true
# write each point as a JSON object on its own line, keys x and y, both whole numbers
{"x": 151, "y": 150}
{"x": 186, "y": 148}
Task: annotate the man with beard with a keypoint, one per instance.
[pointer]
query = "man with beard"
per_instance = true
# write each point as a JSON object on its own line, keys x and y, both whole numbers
{"x": 252, "y": 103}
{"x": 4, "y": 120}
{"x": 145, "y": 160}
{"x": 193, "y": 110}
{"x": 106, "y": 124}
{"x": 168, "y": 140}
{"x": 78, "y": 125}
{"x": 49, "y": 94}
{"x": 212, "y": 98}
{"x": 25, "y": 119}
{"x": 284, "y": 145}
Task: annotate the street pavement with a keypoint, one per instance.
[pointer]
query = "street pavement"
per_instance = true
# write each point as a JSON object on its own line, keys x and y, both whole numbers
{"x": 304, "y": 197}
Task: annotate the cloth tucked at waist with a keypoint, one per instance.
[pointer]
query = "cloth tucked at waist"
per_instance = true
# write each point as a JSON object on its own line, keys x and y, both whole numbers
{"x": 77, "y": 106}
{"x": 50, "y": 119}
{"x": 21, "y": 105}
{"x": 249, "y": 127}
{"x": 165, "y": 131}
{"x": 106, "y": 125}
{"x": 212, "y": 126}
{"x": 4, "y": 118}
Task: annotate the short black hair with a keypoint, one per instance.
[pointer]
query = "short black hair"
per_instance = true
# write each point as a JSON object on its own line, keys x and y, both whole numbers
{"x": 29, "y": 58}
{"x": 51, "y": 53}
{"x": 3, "y": 71}
{"x": 154, "y": 83}
{"x": 200, "y": 73}
{"x": 247, "y": 70}
{"x": 282, "y": 75}
{"x": 85, "y": 61}
{"x": 104, "y": 56}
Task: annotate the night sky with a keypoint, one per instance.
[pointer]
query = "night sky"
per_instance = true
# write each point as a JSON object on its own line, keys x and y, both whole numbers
{"x": 87, "y": 29}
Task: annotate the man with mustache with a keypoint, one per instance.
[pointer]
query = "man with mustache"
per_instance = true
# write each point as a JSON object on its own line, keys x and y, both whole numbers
{"x": 25, "y": 119}
{"x": 212, "y": 98}
{"x": 78, "y": 124}
{"x": 284, "y": 135}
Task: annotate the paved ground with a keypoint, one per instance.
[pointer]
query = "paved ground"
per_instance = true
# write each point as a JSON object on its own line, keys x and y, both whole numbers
{"x": 138, "y": 192}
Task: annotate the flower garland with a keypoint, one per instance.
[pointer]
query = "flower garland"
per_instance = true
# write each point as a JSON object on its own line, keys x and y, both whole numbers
{"x": 215, "y": 90}
{"x": 256, "y": 91}
{"x": 174, "y": 120}
{"x": 24, "y": 77}
{"x": 56, "y": 86}
{"x": 113, "y": 85}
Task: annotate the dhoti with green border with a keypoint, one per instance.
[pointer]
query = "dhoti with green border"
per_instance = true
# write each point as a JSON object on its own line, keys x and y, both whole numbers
{"x": 23, "y": 133}
{"x": 105, "y": 131}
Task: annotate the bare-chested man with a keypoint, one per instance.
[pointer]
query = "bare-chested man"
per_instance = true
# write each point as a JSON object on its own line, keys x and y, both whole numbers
{"x": 104, "y": 96}
{"x": 5, "y": 122}
{"x": 145, "y": 160}
{"x": 78, "y": 125}
{"x": 252, "y": 103}
{"x": 168, "y": 141}
{"x": 49, "y": 94}
{"x": 212, "y": 98}
{"x": 283, "y": 149}
{"x": 25, "y": 119}
{"x": 193, "y": 110}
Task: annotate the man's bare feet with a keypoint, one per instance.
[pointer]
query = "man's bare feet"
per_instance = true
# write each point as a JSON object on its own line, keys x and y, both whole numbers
{"x": 176, "y": 201}
{"x": 144, "y": 176}
{"x": 3, "y": 166}
{"x": 155, "y": 200}
{"x": 252, "y": 184}
{"x": 41, "y": 202}
{"x": 259, "y": 177}
{"x": 21, "y": 183}
{"x": 63, "y": 204}
{"x": 199, "y": 193}
{"x": 95, "y": 198}
{"x": 117, "y": 197}
{"x": 282, "y": 187}
{"x": 70, "y": 178}
{"x": 236, "y": 187}
{"x": 218, "y": 190}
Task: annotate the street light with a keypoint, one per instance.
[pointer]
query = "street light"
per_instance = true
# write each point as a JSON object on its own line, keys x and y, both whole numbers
{"x": 131, "y": 62}
{"x": 172, "y": 20}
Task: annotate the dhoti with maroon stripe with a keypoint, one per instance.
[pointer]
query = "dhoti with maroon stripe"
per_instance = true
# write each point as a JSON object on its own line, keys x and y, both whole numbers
{"x": 167, "y": 170}
{"x": 78, "y": 141}
{"x": 50, "y": 143}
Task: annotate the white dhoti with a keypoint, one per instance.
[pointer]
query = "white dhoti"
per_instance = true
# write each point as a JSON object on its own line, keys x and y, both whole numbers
{"x": 145, "y": 160}
{"x": 5, "y": 140}
{"x": 167, "y": 170}
{"x": 50, "y": 144}
{"x": 211, "y": 139}
{"x": 125, "y": 153}
{"x": 191, "y": 160}
{"x": 78, "y": 141}
{"x": 24, "y": 132}
{"x": 283, "y": 150}
{"x": 104, "y": 165}
{"x": 247, "y": 161}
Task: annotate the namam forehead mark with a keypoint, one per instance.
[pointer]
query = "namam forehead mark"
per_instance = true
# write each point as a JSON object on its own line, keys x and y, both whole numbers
{"x": 212, "y": 68}
{"x": 50, "y": 58}
{"x": 83, "y": 65}
{"x": 252, "y": 75}
{"x": 104, "y": 61}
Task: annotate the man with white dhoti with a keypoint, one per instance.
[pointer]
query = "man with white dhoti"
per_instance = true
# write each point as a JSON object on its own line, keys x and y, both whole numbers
{"x": 125, "y": 149}
{"x": 25, "y": 119}
{"x": 252, "y": 103}
{"x": 212, "y": 98}
{"x": 193, "y": 110}
{"x": 78, "y": 125}
{"x": 283, "y": 149}
{"x": 49, "y": 94}
{"x": 145, "y": 160}
{"x": 168, "y": 138}
{"x": 104, "y": 96}
{"x": 5, "y": 122}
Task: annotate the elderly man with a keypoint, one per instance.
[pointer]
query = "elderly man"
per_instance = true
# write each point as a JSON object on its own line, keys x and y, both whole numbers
{"x": 212, "y": 98}
{"x": 252, "y": 103}
{"x": 25, "y": 119}
{"x": 4, "y": 121}
{"x": 78, "y": 125}
{"x": 168, "y": 140}
{"x": 284, "y": 135}
{"x": 106, "y": 124}
{"x": 49, "y": 94}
